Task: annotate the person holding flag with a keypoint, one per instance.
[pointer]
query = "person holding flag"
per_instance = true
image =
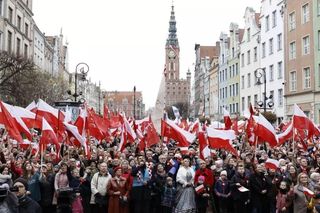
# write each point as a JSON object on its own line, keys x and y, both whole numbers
{"x": 302, "y": 202}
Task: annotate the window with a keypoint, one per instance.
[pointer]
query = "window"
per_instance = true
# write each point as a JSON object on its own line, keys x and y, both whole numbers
{"x": 232, "y": 52}
{"x": 242, "y": 60}
{"x": 263, "y": 49}
{"x": 10, "y": 14}
{"x": 292, "y": 50}
{"x": 19, "y": 22}
{"x": 25, "y": 50}
{"x": 292, "y": 21}
{"x": 280, "y": 70}
{"x": 306, "y": 74}
{"x": 280, "y": 97}
{"x": 237, "y": 68}
{"x": 305, "y": 14}
{"x": 271, "y": 73}
{"x": 248, "y": 34}
{"x": 272, "y": 95}
{"x": 242, "y": 82}
{"x": 237, "y": 107}
{"x": 279, "y": 38}
{"x": 255, "y": 53}
{"x": 1, "y": 5}
{"x": 237, "y": 89}
{"x": 226, "y": 74}
{"x": 318, "y": 7}
{"x": 230, "y": 91}
{"x": 267, "y": 23}
{"x": 249, "y": 100}
{"x": 9, "y": 42}
{"x": 26, "y": 29}
{"x": 249, "y": 80}
{"x": 248, "y": 58}
{"x": 171, "y": 65}
{"x": 293, "y": 81}
{"x": 274, "y": 18}
{"x": 243, "y": 103}
{"x": 305, "y": 45}
{"x": 270, "y": 46}
{"x": 18, "y": 46}
{"x": 233, "y": 71}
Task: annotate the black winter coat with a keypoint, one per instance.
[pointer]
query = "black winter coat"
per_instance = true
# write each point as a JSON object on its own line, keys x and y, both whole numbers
{"x": 27, "y": 205}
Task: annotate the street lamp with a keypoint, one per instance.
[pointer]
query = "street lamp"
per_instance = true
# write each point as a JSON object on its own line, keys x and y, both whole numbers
{"x": 259, "y": 73}
{"x": 83, "y": 69}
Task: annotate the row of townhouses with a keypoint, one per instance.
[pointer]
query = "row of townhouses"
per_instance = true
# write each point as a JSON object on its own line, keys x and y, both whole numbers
{"x": 20, "y": 36}
{"x": 272, "y": 63}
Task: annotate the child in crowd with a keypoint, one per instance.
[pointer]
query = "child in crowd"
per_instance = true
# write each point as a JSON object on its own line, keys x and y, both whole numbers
{"x": 202, "y": 195}
{"x": 168, "y": 196}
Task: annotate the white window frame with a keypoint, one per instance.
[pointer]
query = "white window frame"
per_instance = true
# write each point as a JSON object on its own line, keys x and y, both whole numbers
{"x": 242, "y": 82}
{"x": 293, "y": 81}
{"x": 280, "y": 97}
{"x": 274, "y": 19}
{"x": 248, "y": 57}
{"x": 270, "y": 46}
{"x": 306, "y": 78}
{"x": 305, "y": 46}
{"x": 292, "y": 51}
{"x": 263, "y": 49}
{"x": 280, "y": 74}
{"x": 267, "y": 22}
{"x": 249, "y": 80}
{"x": 271, "y": 72}
{"x": 279, "y": 41}
{"x": 305, "y": 15}
{"x": 292, "y": 20}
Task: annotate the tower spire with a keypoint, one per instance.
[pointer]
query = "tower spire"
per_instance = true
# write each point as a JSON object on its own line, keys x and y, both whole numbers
{"x": 172, "y": 39}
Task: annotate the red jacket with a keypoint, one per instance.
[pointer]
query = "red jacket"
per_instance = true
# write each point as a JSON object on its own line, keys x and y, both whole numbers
{"x": 208, "y": 174}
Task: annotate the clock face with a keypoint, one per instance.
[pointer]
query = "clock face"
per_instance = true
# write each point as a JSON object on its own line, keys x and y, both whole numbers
{"x": 171, "y": 54}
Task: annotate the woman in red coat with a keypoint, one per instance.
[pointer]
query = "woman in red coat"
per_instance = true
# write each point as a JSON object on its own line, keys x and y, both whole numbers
{"x": 118, "y": 190}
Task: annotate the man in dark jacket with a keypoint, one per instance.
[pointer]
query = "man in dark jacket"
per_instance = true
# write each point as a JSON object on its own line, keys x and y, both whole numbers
{"x": 240, "y": 193}
{"x": 26, "y": 204}
{"x": 46, "y": 189}
{"x": 258, "y": 188}
{"x": 8, "y": 201}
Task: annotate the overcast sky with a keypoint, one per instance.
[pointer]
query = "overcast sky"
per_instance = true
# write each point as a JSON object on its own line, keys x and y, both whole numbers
{"x": 123, "y": 41}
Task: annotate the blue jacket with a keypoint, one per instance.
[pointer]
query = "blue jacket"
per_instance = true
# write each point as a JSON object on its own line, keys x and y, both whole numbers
{"x": 144, "y": 176}
{"x": 34, "y": 187}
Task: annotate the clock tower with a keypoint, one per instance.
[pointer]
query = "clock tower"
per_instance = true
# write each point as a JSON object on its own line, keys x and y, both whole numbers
{"x": 172, "y": 50}
{"x": 176, "y": 90}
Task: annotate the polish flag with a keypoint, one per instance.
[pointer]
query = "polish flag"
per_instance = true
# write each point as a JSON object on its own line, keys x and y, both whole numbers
{"x": 172, "y": 162}
{"x": 123, "y": 139}
{"x": 272, "y": 164}
{"x": 286, "y": 135}
{"x": 32, "y": 106}
{"x": 10, "y": 124}
{"x": 222, "y": 139}
{"x": 308, "y": 192}
{"x": 48, "y": 136}
{"x": 19, "y": 122}
{"x": 203, "y": 145}
{"x": 131, "y": 135}
{"x": 301, "y": 121}
{"x": 199, "y": 189}
{"x": 80, "y": 123}
{"x": 227, "y": 119}
{"x": 265, "y": 131}
{"x": 53, "y": 116}
{"x": 194, "y": 127}
{"x": 26, "y": 144}
{"x": 28, "y": 117}
{"x": 75, "y": 133}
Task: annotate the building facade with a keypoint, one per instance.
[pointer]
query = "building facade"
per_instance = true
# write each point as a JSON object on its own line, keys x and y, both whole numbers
{"x": 300, "y": 83}
{"x": 214, "y": 89}
{"x": 122, "y": 101}
{"x": 272, "y": 55}
{"x": 316, "y": 31}
{"x": 223, "y": 71}
{"x": 16, "y": 27}
{"x": 204, "y": 57}
{"x": 249, "y": 60}
{"x": 177, "y": 90}
{"x": 232, "y": 101}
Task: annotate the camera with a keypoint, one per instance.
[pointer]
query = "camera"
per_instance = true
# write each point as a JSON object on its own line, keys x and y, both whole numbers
{"x": 14, "y": 189}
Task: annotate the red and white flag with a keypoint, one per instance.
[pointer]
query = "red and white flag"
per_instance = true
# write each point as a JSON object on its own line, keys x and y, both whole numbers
{"x": 48, "y": 136}
{"x": 301, "y": 121}
{"x": 308, "y": 192}
{"x": 194, "y": 127}
{"x": 287, "y": 134}
{"x": 123, "y": 139}
{"x": 203, "y": 146}
{"x": 222, "y": 139}
{"x": 199, "y": 188}
{"x": 265, "y": 131}
{"x": 272, "y": 164}
{"x": 76, "y": 134}
{"x": 227, "y": 119}
{"x": 131, "y": 135}
{"x": 10, "y": 124}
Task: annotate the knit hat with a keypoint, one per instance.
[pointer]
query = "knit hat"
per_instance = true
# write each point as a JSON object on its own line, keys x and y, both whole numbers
{"x": 201, "y": 178}
{"x": 224, "y": 172}
{"x": 116, "y": 169}
{"x": 23, "y": 181}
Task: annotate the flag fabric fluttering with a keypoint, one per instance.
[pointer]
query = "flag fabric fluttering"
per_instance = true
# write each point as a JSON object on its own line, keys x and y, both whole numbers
{"x": 227, "y": 119}
{"x": 265, "y": 131}
{"x": 272, "y": 164}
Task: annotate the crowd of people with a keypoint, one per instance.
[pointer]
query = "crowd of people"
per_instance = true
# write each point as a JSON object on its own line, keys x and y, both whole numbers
{"x": 160, "y": 179}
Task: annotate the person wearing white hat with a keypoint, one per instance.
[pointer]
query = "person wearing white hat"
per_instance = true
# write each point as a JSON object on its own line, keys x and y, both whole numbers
{"x": 223, "y": 192}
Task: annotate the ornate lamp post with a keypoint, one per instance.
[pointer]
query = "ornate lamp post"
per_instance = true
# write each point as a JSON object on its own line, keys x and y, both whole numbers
{"x": 83, "y": 70}
{"x": 259, "y": 73}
